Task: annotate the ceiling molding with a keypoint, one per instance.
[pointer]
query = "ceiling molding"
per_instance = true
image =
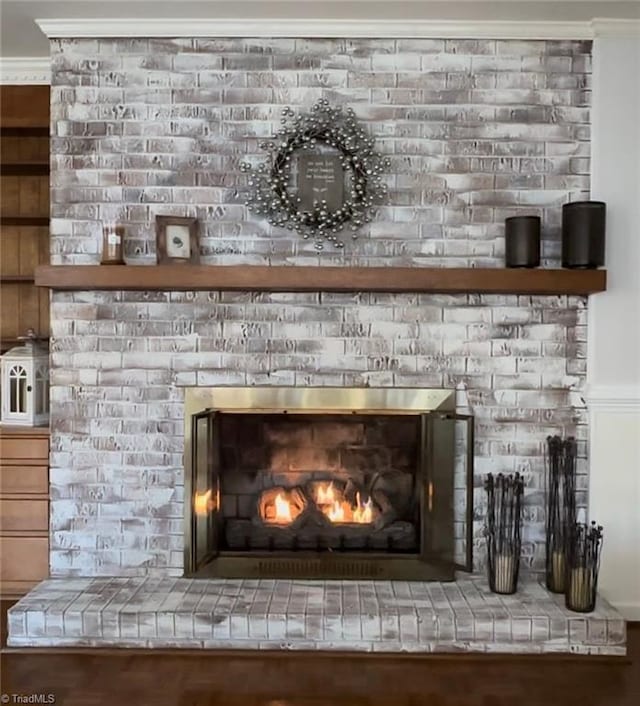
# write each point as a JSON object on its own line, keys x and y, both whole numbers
{"x": 383, "y": 28}
{"x": 25, "y": 70}
{"x": 226, "y": 27}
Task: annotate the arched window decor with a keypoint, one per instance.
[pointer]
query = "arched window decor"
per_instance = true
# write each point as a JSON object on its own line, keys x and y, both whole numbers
{"x": 18, "y": 389}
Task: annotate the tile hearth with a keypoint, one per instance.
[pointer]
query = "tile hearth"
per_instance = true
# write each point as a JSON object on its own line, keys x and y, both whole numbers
{"x": 365, "y": 616}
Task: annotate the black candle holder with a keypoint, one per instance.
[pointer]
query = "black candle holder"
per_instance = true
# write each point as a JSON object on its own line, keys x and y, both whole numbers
{"x": 583, "y": 565}
{"x": 583, "y": 230}
{"x": 561, "y": 508}
{"x": 503, "y": 531}
{"x": 522, "y": 241}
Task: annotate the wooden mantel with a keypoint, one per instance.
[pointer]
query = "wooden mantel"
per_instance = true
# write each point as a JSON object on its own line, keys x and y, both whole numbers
{"x": 255, "y": 278}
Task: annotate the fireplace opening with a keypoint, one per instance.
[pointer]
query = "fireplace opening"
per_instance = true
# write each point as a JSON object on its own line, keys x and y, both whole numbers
{"x": 321, "y": 491}
{"x": 319, "y": 482}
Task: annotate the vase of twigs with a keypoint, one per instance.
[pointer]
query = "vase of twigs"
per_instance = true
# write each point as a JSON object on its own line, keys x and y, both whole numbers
{"x": 561, "y": 508}
{"x": 503, "y": 530}
{"x": 583, "y": 565}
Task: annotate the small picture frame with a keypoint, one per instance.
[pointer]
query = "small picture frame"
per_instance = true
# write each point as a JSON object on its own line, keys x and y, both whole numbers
{"x": 177, "y": 240}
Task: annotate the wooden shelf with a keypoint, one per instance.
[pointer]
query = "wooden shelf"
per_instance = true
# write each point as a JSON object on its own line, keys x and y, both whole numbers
{"x": 30, "y": 432}
{"x": 24, "y": 220}
{"x": 24, "y": 131}
{"x": 24, "y": 451}
{"x": 16, "y": 278}
{"x": 7, "y": 343}
{"x": 314, "y": 279}
{"x": 24, "y": 169}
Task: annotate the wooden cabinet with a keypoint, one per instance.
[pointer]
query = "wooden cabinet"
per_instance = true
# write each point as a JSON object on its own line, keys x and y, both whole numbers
{"x": 24, "y": 508}
{"x": 24, "y": 215}
{"x": 24, "y": 244}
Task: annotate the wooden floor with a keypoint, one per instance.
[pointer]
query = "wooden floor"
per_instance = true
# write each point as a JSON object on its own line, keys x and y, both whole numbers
{"x": 250, "y": 679}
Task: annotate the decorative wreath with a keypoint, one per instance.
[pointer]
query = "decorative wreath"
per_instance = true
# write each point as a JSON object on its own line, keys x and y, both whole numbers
{"x": 271, "y": 193}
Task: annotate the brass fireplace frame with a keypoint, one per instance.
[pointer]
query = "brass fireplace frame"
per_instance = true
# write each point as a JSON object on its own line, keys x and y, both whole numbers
{"x": 434, "y": 406}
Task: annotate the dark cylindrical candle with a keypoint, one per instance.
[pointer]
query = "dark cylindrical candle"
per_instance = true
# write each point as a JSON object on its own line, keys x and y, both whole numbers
{"x": 583, "y": 226}
{"x": 522, "y": 241}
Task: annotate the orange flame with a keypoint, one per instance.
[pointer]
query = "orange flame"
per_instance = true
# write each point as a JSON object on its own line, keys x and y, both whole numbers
{"x": 339, "y": 511}
{"x": 329, "y": 501}
{"x": 336, "y": 511}
{"x": 325, "y": 495}
{"x": 363, "y": 513}
{"x": 283, "y": 510}
{"x": 203, "y": 503}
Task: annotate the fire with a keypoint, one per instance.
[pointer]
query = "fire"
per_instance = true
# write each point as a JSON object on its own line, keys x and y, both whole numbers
{"x": 283, "y": 510}
{"x": 326, "y": 495}
{"x": 363, "y": 513}
{"x": 336, "y": 511}
{"x": 283, "y": 507}
{"x": 339, "y": 510}
{"x": 203, "y": 503}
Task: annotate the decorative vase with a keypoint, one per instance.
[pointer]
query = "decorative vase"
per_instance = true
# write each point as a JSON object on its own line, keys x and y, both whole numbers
{"x": 561, "y": 508}
{"x": 522, "y": 241}
{"x": 503, "y": 531}
{"x": 583, "y": 564}
{"x": 583, "y": 232}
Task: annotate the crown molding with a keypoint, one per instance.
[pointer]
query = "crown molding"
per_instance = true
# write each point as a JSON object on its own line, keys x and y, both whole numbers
{"x": 383, "y": 28}
{"x": 25, "y": 70}
{"x": 36, "y": 70}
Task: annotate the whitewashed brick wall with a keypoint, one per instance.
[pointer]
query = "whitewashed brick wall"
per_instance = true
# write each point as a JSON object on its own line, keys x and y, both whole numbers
{"x": 476, "y": 131}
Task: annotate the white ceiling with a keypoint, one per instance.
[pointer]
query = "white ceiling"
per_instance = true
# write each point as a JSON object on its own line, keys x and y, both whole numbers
{"x": 21, "y": 37}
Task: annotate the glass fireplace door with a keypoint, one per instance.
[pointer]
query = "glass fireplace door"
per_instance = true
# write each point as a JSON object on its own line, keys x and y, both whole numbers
{"x": 205, "y": 490}
{"x": 411, "y": 471}
{"x": 447, "y": 474}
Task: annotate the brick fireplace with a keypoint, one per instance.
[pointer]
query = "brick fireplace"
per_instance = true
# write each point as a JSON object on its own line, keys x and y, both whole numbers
{"x": 476, "y": 131}
{"x": 118, "y": 397}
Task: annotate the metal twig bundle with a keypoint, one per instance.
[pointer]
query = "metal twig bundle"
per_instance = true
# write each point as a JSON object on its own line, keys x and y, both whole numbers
{"x": 561, "y": 508}
{"x": 583, "y": 559}
{"x": 503, "y": 530}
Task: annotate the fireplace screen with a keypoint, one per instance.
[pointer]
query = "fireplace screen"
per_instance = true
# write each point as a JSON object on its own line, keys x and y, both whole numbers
{"x": 326, "y": 490}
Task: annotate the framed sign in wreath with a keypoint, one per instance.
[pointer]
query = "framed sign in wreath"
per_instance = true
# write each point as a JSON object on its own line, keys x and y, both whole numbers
{"x": 324, "y": 176}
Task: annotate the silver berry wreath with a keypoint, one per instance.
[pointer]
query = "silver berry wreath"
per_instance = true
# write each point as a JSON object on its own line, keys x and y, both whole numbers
{"x": 270, "y": 194}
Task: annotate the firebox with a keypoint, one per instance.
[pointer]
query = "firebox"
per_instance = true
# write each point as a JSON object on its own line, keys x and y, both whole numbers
{"x": 327, "y": 483}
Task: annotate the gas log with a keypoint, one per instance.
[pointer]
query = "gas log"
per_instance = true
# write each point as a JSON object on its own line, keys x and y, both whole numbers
{"x": 324, "y": 504}
{"x": 245, "y": 535}
{"x": 282, "y": 506}
{"x": 327, "y": 514}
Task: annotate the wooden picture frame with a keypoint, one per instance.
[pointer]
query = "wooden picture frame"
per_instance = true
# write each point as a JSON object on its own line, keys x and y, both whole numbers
{"x": 177, "y": 240}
